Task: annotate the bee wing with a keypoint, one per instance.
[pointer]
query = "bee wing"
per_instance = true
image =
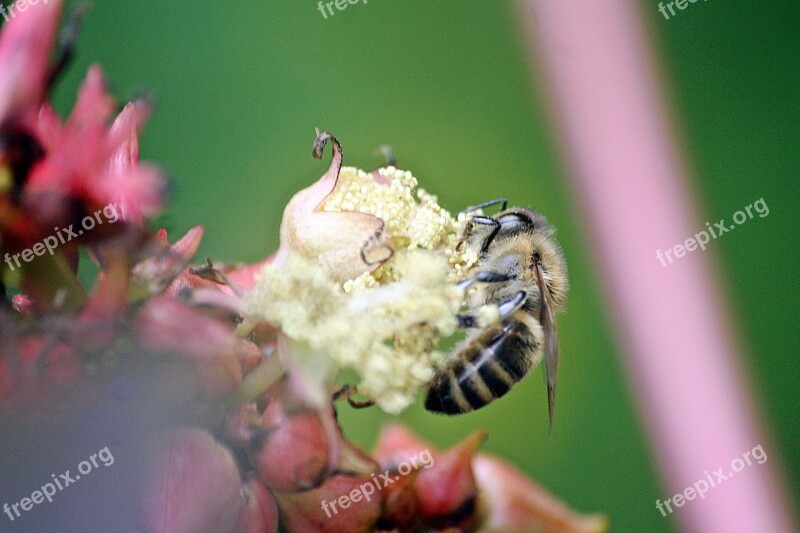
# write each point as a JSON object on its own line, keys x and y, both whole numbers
{"x": 548, "y": 322}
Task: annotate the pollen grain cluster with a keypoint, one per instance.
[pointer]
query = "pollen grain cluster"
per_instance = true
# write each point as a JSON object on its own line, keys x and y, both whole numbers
{"x": 388, "y": 334}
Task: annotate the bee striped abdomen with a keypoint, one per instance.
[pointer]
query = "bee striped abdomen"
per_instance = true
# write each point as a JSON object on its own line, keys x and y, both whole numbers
{"x": 483, "y": 370}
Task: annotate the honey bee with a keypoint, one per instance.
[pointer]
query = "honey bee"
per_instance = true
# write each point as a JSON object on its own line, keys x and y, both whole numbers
{"x": 522, "y": 270}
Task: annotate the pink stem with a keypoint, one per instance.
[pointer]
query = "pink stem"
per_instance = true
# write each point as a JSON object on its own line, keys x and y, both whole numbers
{"x": 635, "y": 196}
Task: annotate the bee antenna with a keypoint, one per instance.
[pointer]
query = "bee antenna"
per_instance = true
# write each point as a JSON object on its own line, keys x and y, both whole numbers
{"x": 386, "y": 151}
{"x": 551, "y": 406}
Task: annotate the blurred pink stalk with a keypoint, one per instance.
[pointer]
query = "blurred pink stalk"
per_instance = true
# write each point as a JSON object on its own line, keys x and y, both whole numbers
{"x": 636, "y": 198}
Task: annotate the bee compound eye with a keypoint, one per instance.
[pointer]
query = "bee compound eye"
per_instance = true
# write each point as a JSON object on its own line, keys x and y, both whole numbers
{"x": 513, "y": 219}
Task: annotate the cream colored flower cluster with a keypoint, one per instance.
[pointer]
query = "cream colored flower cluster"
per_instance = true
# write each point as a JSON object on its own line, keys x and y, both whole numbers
{"x": 387, "y": 334}
{"x": 387, "y": 323}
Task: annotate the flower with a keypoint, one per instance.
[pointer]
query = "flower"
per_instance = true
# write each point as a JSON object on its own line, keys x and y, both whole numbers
{"x": 364, "y": 280}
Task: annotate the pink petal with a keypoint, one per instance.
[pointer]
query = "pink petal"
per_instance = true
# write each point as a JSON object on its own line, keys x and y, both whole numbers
{"x": 166, "y": 326}
{"x": 515, "y": 503}
{"x": 193, "y": 485}
{"x": 156, "y": 273}
{"x": 294, "y": 456}
{"x": 397, "y": 444}
{"x": 25, "y": 44}
{"x": 303, "y": 512}
{"x": 447, "y": 490}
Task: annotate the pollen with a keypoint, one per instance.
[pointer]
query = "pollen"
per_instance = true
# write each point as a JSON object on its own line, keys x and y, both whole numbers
{"x": 413, "y": 220}
{"x": 387, "y": 334}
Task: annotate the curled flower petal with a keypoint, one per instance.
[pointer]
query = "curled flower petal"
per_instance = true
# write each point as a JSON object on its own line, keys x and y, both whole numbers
{"x": 193, "y": 485}
{"x": 515, "y": 503}
{"x": 332, "y": 239}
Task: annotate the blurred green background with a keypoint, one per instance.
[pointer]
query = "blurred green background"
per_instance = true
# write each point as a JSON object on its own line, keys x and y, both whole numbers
{"x": 240, "y": 86}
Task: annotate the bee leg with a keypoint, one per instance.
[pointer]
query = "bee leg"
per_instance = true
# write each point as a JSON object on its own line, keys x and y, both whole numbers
{"x": 490, "y": 203}
{"x": 511, "y": 305}
{"x": 487, "y": 221}
{"x": 504, "y": 309}
{"x": 347, "y": 391}
{"x": 485, "y": 277}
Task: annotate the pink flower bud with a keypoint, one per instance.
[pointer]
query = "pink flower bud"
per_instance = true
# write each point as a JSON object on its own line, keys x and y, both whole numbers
{"x": 343, "y": 504}
{"x": 294, "y": 455}
{"x": 396, "y": 444}
{"x": 400, "y": 505}
{"x": 168, "y": 327}
{"x": 447, "y": 492}
{"x": 259, "y": 513}
{"x": 193, "y": 485}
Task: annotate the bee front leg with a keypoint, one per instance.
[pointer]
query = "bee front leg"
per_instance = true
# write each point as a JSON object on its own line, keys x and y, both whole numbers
{"x": 347, "y": 391}
{"x": 487, "y": 221}
{"x": 484, "y": 277}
